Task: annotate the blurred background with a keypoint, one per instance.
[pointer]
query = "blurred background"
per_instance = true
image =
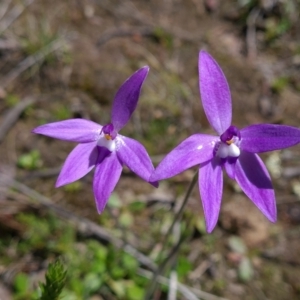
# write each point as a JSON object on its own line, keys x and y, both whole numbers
{"x": 67, "y": 59}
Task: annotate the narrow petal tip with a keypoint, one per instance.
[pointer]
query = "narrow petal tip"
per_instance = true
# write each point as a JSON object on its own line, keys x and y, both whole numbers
{"x": 210, "y": 227}
{"x": 58, "y": 183}
{"x": 154, "y": 183}
{"x": 145, "y": 68}
{"x": 127, "y": 97}
{"x": 100, "y": 208}
{"x": 203, "y": 54}
{"x": 215, "y": 93}
{"x": 271, "y": 215}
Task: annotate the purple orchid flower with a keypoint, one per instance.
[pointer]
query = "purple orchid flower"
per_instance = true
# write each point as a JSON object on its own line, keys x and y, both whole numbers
{"x": 102, "y": 146}
{"x": 233, "y": 150}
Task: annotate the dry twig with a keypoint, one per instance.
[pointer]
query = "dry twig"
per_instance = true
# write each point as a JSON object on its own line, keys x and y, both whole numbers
{"x": 8, "y": 44}
{"x": 13, "y": 15}
{"x": 5, "y": 293}
{"x": 128, "y": 10}
{"x": 173, "y": 281}
{"x": 116, "y": 33}
{"x": 175, "y": 248}
{"x": 4, "y": 8}
{"x": 31, "y": 60}
{"x": 188, "y": 292}
{"x": 13, "y": 115}
{"x": 251, "y": 34}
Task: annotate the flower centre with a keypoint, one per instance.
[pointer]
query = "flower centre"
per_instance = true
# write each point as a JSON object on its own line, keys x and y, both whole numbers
{"x": 107, "y": 137}
{"x": 229, "y": 144}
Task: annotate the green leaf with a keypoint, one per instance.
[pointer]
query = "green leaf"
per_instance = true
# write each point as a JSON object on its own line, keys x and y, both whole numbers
{"x": 30, "y": 161}
{"x": 114, "y": 201}
{"x": 73, "y": 187}
{"x": 137, "y": 206}
{"x": 92, "y": 282}
{"x": 126, "y": 219}
{"x": 129, "y": 263}
{"x": 245, "y": 270}
{"x": 134, "y": 292}
{"x": 237, "y": 244}
{"x": 118, "y": 287}
{"x": 21, "y": 283}
{"x": 184, "y": 266}
{"x": 12, "y": 99}
{"x": 117, "y": 272}
{"x": 200, "y": 225}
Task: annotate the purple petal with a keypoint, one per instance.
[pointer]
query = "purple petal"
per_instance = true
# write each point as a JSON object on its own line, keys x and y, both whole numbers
{"x": 135, "y": 157}
{"x": 215, "y": 93}
{"x": 195, "y": 150}
{"x": 211, "y": 189}
{"x": 254, "y": 179}
{"x": 267, "y": 137}
{"x": 107, "y": 173}
{"x": 74, "y": 130}
{"x": 127, "y": 97}
{"x": 229, "y": 166}
{"x": 79, "y": 162}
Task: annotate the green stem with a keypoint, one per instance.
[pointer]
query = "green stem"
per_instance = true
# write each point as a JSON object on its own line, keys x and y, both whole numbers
{"x": 163, "y": 265}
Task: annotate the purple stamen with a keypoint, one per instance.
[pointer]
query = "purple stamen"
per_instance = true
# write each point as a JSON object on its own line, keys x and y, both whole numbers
{"x": 231, "y": 132}
{"x": 109, "y": 131}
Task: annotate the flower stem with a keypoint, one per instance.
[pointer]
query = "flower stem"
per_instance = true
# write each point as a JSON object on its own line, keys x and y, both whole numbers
{"x": 162, "y": 266}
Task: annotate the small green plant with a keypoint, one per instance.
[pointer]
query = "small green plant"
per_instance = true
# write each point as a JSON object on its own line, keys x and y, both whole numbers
{"x": 245, "y": 267}
{"x": 12, "y": 99}
{"x": 55, "y": 281}
{"x": 38, "y": 35}
{"x": 62, "y": 112}
{"x": 279, "y": 84}
{"x": 30, "y": 161}
{"x": 73, "y": 187}
{"x": 21, "y": 287}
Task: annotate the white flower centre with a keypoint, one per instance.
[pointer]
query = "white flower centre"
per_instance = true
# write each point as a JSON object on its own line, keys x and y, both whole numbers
{"x": 231, "y": 150}
{"x": 107, "y": 143}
